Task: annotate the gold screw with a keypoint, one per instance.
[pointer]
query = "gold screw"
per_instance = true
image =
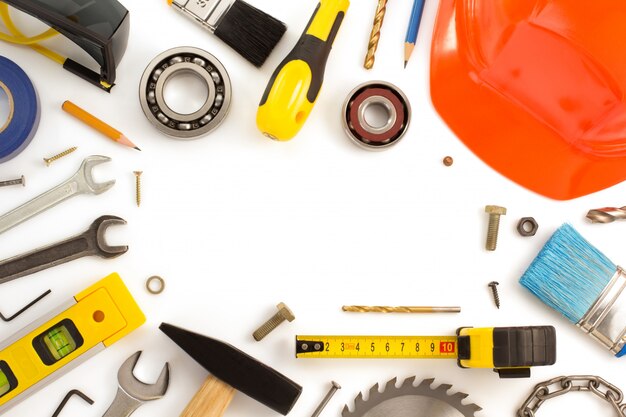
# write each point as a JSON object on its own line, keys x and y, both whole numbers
{"x": 138, "y": 186}
{"x": 381, "y": 9}
{"x": 494, "y": 224}
{"x": 66, "y": 152}
{"x": 284, "y": 313}
{"x": 448, "y": 161}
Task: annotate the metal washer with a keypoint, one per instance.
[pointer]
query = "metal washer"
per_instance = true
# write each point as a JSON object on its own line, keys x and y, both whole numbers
{"x": 176, "y": 61}
{"x": 155, "y": 289}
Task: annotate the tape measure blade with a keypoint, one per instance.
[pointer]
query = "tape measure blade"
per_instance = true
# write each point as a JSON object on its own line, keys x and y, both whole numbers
{"x": 377, "y": 347}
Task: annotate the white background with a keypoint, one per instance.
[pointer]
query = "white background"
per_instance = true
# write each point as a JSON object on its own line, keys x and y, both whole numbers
{"x": 236, "y": 223}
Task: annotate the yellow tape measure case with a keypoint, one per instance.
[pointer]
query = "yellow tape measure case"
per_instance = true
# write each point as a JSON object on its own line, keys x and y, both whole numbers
{"x": 510, "y": 351}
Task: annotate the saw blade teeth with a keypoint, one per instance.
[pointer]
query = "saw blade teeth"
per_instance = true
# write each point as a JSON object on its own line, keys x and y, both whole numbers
{"x": 346, "y": 411}
{"x": 391, "y": 384}
{"x": 460, "y": 396}
{"x": 359, "y": 400}
{"x": 425, "y": 388}
{"x": 444, "y": 388}
{"x": 473, "y": 408}
{"x": 470, "y": 409}
{"x": 426, "y": 383}
{"x": 409, "y": 381}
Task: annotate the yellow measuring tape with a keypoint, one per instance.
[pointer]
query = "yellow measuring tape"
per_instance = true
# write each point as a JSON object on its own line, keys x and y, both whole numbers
{"x": 385, "y": 347}
{"x": 511, "y": 351}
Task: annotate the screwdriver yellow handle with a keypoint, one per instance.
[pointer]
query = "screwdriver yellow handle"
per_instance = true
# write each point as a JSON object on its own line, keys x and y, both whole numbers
{"x": 296, "y": 83}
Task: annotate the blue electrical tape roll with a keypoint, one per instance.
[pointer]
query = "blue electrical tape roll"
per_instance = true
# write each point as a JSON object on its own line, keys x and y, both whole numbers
{"x": 20, "y": 127}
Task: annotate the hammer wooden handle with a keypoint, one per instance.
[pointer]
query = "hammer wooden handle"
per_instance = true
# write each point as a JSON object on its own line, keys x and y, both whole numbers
{"x": 211, "y": 400}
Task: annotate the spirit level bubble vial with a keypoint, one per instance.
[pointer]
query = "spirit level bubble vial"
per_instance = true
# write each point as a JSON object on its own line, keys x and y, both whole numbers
{"x": 66, "y": 337}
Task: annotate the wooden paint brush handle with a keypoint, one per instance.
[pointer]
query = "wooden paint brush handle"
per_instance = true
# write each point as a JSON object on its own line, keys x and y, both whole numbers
{"x": 211, "y": 400}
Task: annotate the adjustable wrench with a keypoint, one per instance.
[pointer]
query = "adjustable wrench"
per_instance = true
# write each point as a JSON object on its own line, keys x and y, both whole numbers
{"x": 80, "y": 183}
{"x": 131, "y": 392}
{"x": 89, "y": 243}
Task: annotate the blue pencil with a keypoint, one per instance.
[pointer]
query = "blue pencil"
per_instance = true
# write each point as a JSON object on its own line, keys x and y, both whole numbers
{"x": 414, "y": 27}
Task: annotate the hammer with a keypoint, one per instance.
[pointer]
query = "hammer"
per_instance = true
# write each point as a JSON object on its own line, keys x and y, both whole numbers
{"x": 231, "y": 369}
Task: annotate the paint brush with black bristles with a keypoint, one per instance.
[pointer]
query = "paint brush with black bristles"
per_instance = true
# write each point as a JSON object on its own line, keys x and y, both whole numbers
{"x": 574, "y": 278}
{"x": 251, "y": 32}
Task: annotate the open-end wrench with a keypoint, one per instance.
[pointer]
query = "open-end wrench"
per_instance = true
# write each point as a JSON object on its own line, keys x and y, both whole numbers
{"x": 89, "y": 243}
{"x": 80, "y": 183}
{"x": 131, "y": 392}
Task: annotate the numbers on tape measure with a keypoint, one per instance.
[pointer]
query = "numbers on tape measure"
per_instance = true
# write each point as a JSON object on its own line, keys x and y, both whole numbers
{"x": 448, "y": 347}
{"x": 376, "y": 347}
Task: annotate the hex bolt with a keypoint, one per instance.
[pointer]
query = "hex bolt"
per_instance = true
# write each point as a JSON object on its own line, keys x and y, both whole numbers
{"x": 326, "y": 399}
{"x": 494, "y": 290}
{"x": 494, "y": 224}
{"x": 17, "y": 181}
{"x": 284, "y": 313}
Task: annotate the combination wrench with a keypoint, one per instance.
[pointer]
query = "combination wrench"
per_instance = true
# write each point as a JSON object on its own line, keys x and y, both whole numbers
{"x": 89, "y": 243}
{"x": 80, "y": 183}
{"x": 132, "y": 393}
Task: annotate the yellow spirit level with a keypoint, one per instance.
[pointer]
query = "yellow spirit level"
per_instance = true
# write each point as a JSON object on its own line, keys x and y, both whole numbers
{"x": 510, "y": 351}
{"x": 66, "y": 337}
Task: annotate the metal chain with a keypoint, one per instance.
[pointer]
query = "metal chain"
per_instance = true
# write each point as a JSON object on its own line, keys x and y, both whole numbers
{"x": 564, "y": 384}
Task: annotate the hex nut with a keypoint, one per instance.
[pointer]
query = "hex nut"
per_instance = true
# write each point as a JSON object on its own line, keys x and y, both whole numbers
{"x": 527, "y": 226}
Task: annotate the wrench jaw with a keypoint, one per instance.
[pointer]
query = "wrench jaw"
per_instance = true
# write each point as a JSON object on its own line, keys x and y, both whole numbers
{"x": 138, "y": 390}
{"x": 84, "y": 178}
{"x": 98, "y": 229}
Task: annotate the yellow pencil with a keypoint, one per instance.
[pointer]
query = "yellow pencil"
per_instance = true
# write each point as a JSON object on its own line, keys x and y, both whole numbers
{"x": 91, "y": 120}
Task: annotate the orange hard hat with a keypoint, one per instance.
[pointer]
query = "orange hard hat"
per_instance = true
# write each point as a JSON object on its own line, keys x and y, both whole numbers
{"x": 536, "y": 88}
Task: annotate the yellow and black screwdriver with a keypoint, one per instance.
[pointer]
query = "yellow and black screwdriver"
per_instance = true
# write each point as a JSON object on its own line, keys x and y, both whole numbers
{"x": 296, "y": 83}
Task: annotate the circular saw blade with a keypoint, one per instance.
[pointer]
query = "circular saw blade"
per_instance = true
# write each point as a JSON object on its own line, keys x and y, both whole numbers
{"x": 409, "y": 400}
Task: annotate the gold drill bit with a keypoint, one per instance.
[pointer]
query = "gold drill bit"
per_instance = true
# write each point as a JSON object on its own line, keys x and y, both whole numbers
{"x": 607, "y": 214}
{"x": 401, "y": 309}
{"x": 66, "y": 152}
{"x": 375, "y": 36}
{"x": 138, "y": 186}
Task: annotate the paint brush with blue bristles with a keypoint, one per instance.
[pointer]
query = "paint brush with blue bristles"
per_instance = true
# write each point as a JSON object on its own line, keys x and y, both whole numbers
{"x": 577, "y": 280}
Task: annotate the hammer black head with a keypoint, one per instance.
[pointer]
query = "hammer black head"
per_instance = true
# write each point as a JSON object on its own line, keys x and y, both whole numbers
{"x": 238, "y": 369}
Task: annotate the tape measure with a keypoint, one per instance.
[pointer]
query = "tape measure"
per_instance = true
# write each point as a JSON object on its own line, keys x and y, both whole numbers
{"x": 53, "y": 345}
{"x": 24, "y": 111}
{"x": 381, "y": 347}
{"x": 510, "y": 351}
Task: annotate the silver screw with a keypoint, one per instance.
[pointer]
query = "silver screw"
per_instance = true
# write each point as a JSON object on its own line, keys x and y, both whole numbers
{"x": 326, "y": 399}
{"x": 494, "y": 224}
{"x": 20, "y": 180}
{"x": 494, "y": 290}
{"x": 284, "y": 313}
